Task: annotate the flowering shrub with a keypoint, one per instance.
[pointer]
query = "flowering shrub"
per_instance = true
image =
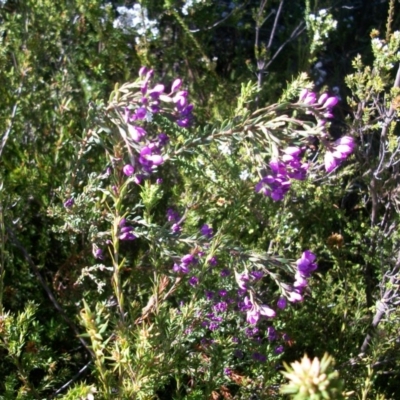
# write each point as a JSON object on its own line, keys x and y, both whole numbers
{"x": 173, "y": 244}
{"x": 210, "y": 290}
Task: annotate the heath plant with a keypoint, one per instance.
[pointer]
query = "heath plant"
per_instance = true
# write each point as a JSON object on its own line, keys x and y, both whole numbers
{"x": 182, "y": 301}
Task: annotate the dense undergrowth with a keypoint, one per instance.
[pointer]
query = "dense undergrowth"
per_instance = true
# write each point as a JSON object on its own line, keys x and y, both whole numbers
{"x": 194, "y": 195}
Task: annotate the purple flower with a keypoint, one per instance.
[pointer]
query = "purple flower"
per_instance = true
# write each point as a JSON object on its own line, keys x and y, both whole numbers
{"x": 138, "y": 179}
{"x": 187, "y": 111}
{"x": 259, "y": 357}
{"x": 225, "y": 272}
{"x": 295, "y": 296}
{"x": 97, "y": 252}
{"x": 274, "y": 186}
{"x": 245, "y": 305}
{"x": 126, "y": 233}
{"x": 272, "y": 335}
{"x": 213, "y": 261}
{"x": 188, "y": 259}
{"x": 183, "y": 122}
{"x": 176, "y": 84}
{"x": 136, "y": 132}
{"x": 267, "y": 311}
{"x": 303, "y": 94}
{"x": 221, "y": 307}
{"x": 142, "y": 71}
{"x": 338, "y": 151}
{"x": 156, "y": 91}
{"x": 127, "y": 236}
{"x": 253, "y": 315}
{"x": 194, "y": 281}
{"x": 257, "y": 275}
{"x": 281, "y": 303}
{"x": 300, "y": 281}
{"x": 213, "y": 326}
{"x": 172, "y": 215}
{"x": 176, "y": 228}
{"x": 140, "y": 113}
{"x": 163, "y": 139}
{"x": 306, "y": 264}
{"x": 242, "y": 280}
{"x": 310, "y": 98}
{"x": 149, "y": 158}
{"x": 181, "y": 268}
{"x": 322, "y": 98}
{"x": 279, "y": 350}
{"x": 209, "y": 295}
{"x": 222, "y": 292}
{"x": 128, "y": 170}
{"x": 292, "y": 151}
{"x": 330, "y": 162}
{"x": 330, "y": 102}
{"x": 69, "y": 202}
{"x": 227, "y": 371}
{"x": 206, "y": 231}
{"x": 249, "y": 332}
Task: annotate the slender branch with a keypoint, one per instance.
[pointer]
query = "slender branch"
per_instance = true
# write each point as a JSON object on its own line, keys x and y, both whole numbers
{"x": 389, "y": 115}
{"x": 294, "y": 35}
{"x": 13, "y": 114}
{"x": 72, "y": 380}
{"x": 383, "y": 303}
{"x": 389, "y": 20}
{"x": 260, "y": 59}
{"x": 46, "y": 288}
{"x": 275, "y": 24}
{"x": 208, "y": 28}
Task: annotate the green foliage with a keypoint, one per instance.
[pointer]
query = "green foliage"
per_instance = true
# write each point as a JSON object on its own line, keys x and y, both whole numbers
{"x": 74, "y": 325}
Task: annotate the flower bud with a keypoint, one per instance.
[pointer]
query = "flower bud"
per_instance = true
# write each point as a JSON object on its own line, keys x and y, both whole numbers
{"x": 331, "y": 102}
{"x": 176, "y": 84}
{"x": 128, "y": 170}
{"x": 322, "y": 98}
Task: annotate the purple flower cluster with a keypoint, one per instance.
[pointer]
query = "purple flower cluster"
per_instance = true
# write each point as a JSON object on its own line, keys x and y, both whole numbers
{"x": 255, "y": 311}
{"x": 290, "y": 166}
{"x": 185, "y": 262}
{"x": 323, "y": 104}
{"x": 206, "y": 231}
{"x": 69, "y": 202}
{"x": 97, "y": 252}
{"x": 338, "y": 151}
{"x": 305, "y": 266}
{"x": 174, "y": 218}
{"x": 153, "y": 96}
{"x": 149, "y": 149}
{"x": 125, "y": 231}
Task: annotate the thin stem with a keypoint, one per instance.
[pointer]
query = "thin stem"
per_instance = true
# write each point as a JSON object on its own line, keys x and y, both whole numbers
{"x": 382, "y": 305}
{"x": 214, "y": 25}
{"x": 116, "y": 279}
{"x": 275, "y": 24}
{"x": 296, "y": 33}
{"x": 10, "y": 125}
{"x": 72, "y": 380}
{"x": 389, "y": 20}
